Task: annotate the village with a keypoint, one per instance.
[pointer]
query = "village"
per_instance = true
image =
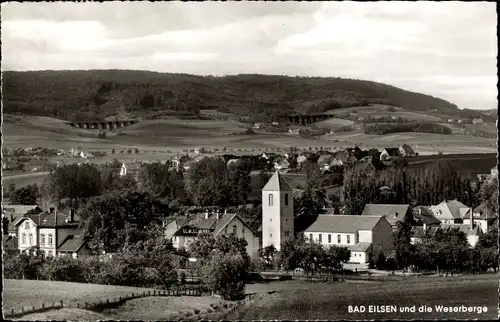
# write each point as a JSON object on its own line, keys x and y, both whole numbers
{"x": 52, "y": 230}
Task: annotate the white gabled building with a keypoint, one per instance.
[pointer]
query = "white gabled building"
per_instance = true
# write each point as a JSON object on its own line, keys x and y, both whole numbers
{"x": 365, "y": 236}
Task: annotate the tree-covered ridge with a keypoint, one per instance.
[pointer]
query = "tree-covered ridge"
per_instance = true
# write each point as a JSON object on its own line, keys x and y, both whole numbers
{"x": 95, "y": 94}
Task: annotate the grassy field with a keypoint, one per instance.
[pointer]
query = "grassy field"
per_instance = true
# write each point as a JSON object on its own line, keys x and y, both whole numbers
{"x": 26, "y": 293}
{"x": 25, "y": 179}
{"x": 23, "y": 293}
{"x": 331, "y": 301}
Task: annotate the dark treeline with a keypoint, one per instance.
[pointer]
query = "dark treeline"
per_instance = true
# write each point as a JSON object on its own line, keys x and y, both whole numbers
{"x": 93, "y": 95}
{"x": 423, "y": 127}
{"x": 400, "y": 185}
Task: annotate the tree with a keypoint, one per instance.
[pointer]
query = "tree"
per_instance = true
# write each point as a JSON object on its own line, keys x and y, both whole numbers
{"x": 223, "y": 263}
{"x": 136, "y": 151}
{"x": 263, "y": 178}
{"x": 113, "y": 151}
{"x": 25, "y": 195}
{"x": 114, "y": 221}
{"x": 74, "y": 182}
{"x": 162, "y": 182}
{"x": 380, "y": 262}
{"x": 402, "y": 241}
{"x": 226, "y": 274}
{"x": 207, "y": 183}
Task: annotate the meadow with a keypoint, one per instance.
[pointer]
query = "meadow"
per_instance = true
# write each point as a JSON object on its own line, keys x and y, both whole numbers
{"x": 379, "y": 110}
{"x": 331, "y": 301}
{"x": 26, "y": 293}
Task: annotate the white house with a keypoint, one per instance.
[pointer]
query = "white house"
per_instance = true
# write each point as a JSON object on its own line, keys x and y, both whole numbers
{"x": 129, "y": 169}
{"x": 281, "y": 163}
{"x": 365, "y": 236}
{"x": 51, "y": 231}
{"x": 406, "y": 150}
{"x": 482, "y": 215}
{"x": 182, "y": 232}
{"x": 449, "y": 211}
{"x": 277, "y": 212}
{"x": 477, "y": 121}
{"x": 389, "y": 153}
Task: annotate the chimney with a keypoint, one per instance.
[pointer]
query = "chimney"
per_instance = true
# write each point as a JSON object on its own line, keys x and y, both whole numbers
{"x": 218, "y": 214}
{"x": 420, "y": 211}
{"x": 425, "y": 227}
{"x": 72, "y": 215}
{"x": 207, "y": 214}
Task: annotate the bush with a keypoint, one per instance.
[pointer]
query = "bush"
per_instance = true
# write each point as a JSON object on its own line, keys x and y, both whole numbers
{"x": 225, "y": 274}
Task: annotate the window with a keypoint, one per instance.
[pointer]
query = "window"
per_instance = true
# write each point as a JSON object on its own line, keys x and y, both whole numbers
{"x": 338, "y": 239}
{"x": 271, "y": 235}
{"x": 243, "y": 231}
{"x": 50, "y": 239}
{"x": 270, "y": 199}
{"x": 310, "y": 237}
{"x": 42, "y": 239}
{"x": 234, "y": 230}
{"x": 320, "y": 238}
{"x": 329, "y": 238}
{"x": 286, "y": 199}
{"x": 24, "y": 238}
{"x": 31, "y": 238}
{"x": 49, "y": 253}
{"x": 27, "y": 225}
{"x": 348, "y": 239}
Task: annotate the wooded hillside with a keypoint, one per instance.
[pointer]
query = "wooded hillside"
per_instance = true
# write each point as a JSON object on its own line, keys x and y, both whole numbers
{"x": 95, "y": 94}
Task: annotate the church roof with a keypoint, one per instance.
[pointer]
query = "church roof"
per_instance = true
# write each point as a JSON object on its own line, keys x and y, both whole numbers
{"x": 277, "y": 183}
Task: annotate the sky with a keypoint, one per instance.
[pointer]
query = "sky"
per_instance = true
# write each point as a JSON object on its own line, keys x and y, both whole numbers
{"x": 444, "y": 49}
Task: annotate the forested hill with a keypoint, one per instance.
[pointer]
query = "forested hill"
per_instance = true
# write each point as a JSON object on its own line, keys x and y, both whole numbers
{"x": 95, "y": 94}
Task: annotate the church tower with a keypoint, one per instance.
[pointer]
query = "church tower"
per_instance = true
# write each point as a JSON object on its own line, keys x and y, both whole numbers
{"x": 277, "y": 212}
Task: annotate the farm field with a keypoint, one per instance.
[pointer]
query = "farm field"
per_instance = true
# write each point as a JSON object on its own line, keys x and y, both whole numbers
{"x": 153, "y": 136}
{"x": 331, "y": 301}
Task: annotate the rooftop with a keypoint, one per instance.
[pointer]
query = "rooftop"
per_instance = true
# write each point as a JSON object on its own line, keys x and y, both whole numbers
{"x": 277, "y": 183}
{"x": 342, "y": 223}
{"x": 72, "y": 244}
{"x": 393, "y": 213}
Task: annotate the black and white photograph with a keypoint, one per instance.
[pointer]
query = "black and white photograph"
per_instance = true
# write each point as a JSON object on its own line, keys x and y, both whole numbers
{"x": 249, "y": 160}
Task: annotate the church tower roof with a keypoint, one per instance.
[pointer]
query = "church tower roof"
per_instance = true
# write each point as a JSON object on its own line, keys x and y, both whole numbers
{"x": 277, "y": 183}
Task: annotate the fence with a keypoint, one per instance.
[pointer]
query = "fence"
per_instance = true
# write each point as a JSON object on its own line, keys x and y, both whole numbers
{"x": 100, "y": 304}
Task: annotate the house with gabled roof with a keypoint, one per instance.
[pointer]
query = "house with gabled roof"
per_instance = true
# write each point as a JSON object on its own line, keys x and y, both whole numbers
{"x": 393, "y": 213}
{"x": 281, "y": 163}
{"x": 325, "y": 161}
{"x": 406, "y": 150}
{"x": 183, "y": 232}
{"x": 483, "y": 216}
{"x": 389, "y": 153}
{"x": 369, "y": 164}
{"x": 422, "y": 233}
{"x": 48, "y": 231}
{"x": 423, "y": 216}
{"x": 365, "y": 236}
{"x": 473, "y": 232}
{"x": 14, "y": 212}
{"x": 449, "y": 211}
{"x": 129, "y": 168}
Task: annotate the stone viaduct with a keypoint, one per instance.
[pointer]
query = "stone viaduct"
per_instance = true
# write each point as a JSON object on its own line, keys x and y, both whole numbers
{"x": 103, "y": 125}
{"x": 308, "y": 118}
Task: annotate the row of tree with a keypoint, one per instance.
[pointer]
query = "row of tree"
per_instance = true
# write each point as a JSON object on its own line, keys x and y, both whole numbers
{"x": 447, "y": 250}
{"x": 401, "y": 185}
